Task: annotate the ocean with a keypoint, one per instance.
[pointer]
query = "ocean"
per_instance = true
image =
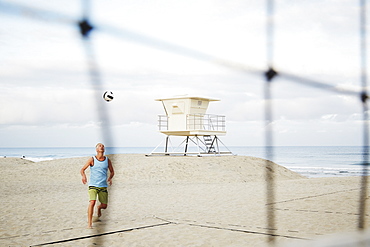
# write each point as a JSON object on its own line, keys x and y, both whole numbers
{"x": 315, "y": 161}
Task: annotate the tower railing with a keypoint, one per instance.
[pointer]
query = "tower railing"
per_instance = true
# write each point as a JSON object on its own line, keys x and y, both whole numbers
{"x": 197, "y": 122}
{"x": 163, "y": 122}
{"x": 205, "y": 122}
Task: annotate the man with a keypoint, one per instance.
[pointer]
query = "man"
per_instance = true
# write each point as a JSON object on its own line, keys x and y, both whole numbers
{"x": 99, "y": 166}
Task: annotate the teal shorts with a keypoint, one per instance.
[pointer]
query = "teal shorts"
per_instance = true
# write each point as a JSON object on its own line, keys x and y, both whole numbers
{"x": 100, "y": 192}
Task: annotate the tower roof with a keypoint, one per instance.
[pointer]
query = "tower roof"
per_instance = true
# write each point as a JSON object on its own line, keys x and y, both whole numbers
{"x": 188, "y": 97}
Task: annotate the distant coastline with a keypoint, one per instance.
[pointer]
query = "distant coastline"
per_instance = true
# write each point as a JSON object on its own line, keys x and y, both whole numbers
{"x": 310, "y": 161}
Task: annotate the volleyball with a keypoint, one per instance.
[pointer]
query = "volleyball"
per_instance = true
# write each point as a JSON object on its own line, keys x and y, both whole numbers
{"x": 108, "y": 96}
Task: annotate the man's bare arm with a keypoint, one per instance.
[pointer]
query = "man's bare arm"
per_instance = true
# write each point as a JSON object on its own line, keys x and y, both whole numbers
{"x": 82, "y": 171}
{"x": 111, "y": 172}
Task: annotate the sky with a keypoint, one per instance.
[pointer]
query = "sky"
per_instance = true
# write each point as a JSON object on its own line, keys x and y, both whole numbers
{"x": 48, "y": 99}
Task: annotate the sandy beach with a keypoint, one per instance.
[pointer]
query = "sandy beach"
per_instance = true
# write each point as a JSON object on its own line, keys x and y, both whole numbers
{"x": 172, "y": 201}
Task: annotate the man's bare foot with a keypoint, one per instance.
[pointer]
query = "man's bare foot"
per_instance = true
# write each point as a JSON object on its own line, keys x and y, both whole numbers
{"x": 100, "y": 207}
{"x": 89, "y": 227}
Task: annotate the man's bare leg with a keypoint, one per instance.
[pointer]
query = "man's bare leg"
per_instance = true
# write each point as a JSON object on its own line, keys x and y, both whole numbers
{"x": 90, "y": 212}
{"x": 100, "y": 207}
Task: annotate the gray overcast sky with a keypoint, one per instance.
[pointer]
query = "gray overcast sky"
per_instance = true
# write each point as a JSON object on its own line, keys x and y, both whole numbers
{"x": 47, "y": 99}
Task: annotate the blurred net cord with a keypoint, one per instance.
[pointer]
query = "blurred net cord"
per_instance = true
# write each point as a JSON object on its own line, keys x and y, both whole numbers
{"x": 269, "y": 73}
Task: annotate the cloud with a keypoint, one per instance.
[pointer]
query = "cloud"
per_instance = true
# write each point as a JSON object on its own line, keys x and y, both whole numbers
{"x": 317, "y": 36}
{"x": 46, "y": 86}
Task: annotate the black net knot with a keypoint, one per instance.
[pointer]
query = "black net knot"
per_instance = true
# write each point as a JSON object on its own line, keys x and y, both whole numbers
{"x": 270, "y": 74}
{"x": 364, "y": 97}
{"x": 85, "y": 28}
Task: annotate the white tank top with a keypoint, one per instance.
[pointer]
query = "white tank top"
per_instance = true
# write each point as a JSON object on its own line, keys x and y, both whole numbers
{"x": 98, "y": 173}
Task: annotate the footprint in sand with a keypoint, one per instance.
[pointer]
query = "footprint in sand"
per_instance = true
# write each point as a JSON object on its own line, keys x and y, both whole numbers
{"x": 96, "y": 219}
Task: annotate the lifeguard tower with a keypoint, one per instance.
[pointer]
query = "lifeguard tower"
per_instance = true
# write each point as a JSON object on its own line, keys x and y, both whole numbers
{"x": 186, "y": 117}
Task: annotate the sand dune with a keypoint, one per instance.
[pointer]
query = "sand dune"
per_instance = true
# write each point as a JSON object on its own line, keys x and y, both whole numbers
{"x": 172, "y": 201}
